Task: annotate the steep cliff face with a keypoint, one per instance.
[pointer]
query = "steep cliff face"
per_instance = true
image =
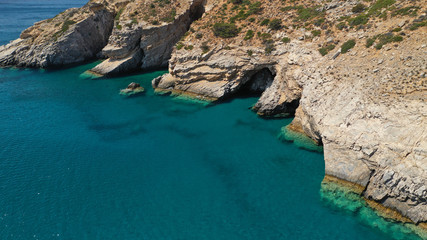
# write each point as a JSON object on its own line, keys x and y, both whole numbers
{"x": 73, "y": 36}
{"x": 131, "y": 34}
{"x": 364, "y": 100}
{"x": 145, "y": 32}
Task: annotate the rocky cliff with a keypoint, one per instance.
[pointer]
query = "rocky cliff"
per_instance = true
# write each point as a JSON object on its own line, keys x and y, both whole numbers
{"x": 353, "y": 73}
{"x": 72, "y": 36}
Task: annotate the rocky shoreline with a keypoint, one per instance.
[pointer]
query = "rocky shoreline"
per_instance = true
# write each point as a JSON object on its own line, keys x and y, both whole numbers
{"x": 352, "y": 73}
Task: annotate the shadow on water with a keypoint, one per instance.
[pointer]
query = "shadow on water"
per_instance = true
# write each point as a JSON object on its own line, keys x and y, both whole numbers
{"x": 110, "y": 132}
{"x": 255, "y": 126}
{"x": 237, "y": 193}
{"x": 228, "y": 176}
{"x": 116, "y": 134}
{"x": 186, "y": 133}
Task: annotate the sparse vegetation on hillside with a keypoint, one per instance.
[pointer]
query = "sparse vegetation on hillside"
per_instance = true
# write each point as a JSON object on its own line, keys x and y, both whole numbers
{"x": 348, "y": 45}
{"x": 305, "y": 21}
{"x": 225, "y": 30}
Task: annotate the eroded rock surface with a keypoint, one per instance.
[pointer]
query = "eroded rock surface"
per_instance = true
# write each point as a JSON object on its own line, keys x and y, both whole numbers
{"x": 137, "y": 43}
{"x": 74, "y": 36}
{"x": 366, "y": 106}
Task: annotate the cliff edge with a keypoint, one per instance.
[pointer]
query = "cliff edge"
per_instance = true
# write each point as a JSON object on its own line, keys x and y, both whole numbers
{"x": 353, "y": 73}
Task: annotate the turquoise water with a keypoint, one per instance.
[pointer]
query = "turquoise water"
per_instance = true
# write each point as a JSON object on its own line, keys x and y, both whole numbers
{"x": 79, "y": 161}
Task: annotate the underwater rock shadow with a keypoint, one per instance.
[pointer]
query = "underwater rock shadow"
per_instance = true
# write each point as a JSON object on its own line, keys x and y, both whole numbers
{"x": 183, "y": 132}
{"x": 111, "y": 132}
{"x": 227, "y": 174}
{"x": 254, "y": 126}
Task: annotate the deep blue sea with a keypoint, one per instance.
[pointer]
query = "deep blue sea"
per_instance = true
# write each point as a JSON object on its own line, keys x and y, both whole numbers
{"x": 79, "y": 161}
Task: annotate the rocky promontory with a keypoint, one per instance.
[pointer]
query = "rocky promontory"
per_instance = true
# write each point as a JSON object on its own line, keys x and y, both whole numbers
{"x": 353, "y": 73}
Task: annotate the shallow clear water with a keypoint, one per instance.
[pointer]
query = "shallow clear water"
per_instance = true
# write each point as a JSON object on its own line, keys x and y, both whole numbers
{"x": 78, "y": 161}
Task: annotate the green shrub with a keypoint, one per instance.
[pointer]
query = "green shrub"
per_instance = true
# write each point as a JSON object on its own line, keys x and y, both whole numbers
{"x": 205, "y": 48}
{"x": 199, "y": 35}
{"x": 117, "y": 17}
{"x": 265, "y": 37}
{"x": 249, "y": 35}
{"x": 378, "y": 46}
{"x": 170, "y": 16}
{"x": 286, "y": 40}
{"x": 275, "y": 24}
{"x": 269, "y": 47}
{"x": 250, "y": 52}
{"x": 412, "y": 11}
{"x": 319, "y": 21}
{"x": 369, "y": 42}
{"x": 265, "y": 22}
{"x": 323, "y": 51}
{"x": 341, "y": 25}
{"x": 417, "y": 25}
{"x": 189, "y": 47}
{"x": 397, "y": 39}
{"x": 376, "y": 8}
{"x": 67, "y": 25}
{"x": 330, "y": 47}
{"x": 398, "y": 29}
{"x": 254, "y": 8}
{"x": 179, "y": 45}
{"x": 358, "y": 8}
{"x": 359, "y": 20}
{"x": 316, "y": 33}
{"x": 348, "y": 45}
{"x": 287, "y": 8}
{"x": 225, "y": 30}
{"x": 307, "y": 13}
{"x": 383, "y": 15}
{"x": 383, "y": 39}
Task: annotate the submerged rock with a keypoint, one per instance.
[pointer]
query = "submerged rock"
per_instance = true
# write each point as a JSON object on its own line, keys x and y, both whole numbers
{"x": 132, "y": 90}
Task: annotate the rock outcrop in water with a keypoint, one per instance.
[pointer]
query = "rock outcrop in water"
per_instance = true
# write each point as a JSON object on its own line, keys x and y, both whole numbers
{"x": 353, "y": 73}
{"x": 132, "y": 89}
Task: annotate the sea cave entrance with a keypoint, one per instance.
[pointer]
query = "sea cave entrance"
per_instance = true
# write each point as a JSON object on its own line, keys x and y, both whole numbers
{"x": 257, "y": 82}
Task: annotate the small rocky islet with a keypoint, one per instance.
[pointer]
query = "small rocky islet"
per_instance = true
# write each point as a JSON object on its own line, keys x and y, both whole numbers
{"x": 132, "y": 90}
{"x": 352, "y": 72}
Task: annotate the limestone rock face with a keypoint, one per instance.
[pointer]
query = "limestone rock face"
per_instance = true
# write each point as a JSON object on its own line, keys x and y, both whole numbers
{"x": 155, "y": 41}
{"x": 113, "y": 66}
{"x": 73, "y": 36}
{"x": 222, "y": 72}
{"x": 131, "y": 34}
{"x": 367, "y": 106}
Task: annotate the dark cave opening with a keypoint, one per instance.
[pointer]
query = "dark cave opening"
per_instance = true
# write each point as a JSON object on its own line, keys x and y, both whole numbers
{"x": 256, "y": 84}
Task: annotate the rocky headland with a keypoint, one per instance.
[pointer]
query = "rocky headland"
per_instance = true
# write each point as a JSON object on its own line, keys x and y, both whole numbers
{"x": 353, "y": 73}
